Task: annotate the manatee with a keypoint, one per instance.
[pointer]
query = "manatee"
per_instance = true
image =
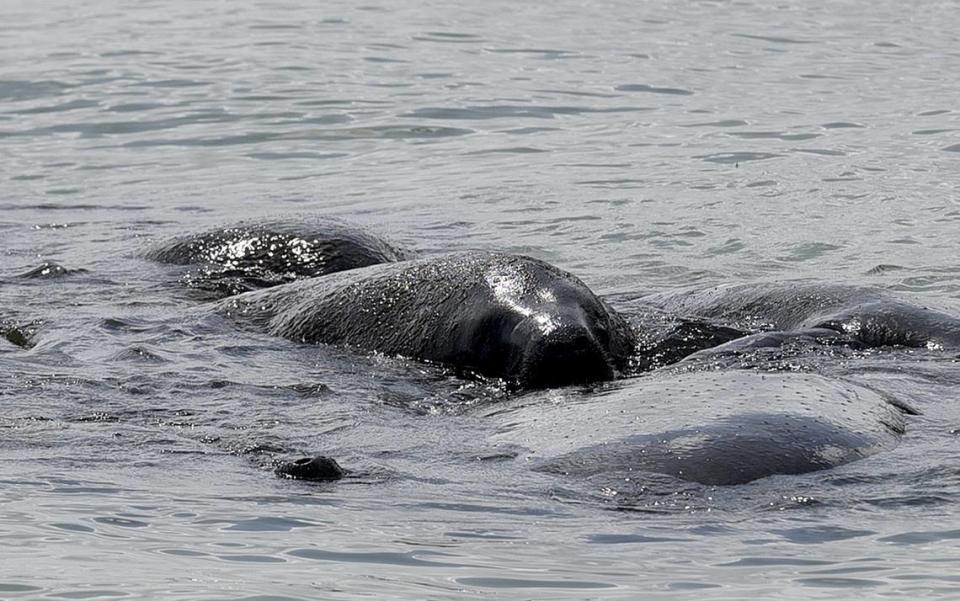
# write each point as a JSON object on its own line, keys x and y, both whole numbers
{"x": 715, "y": 428}
{"x": 864, "y": 316}
{"x": 253, "y": 255}
{"x": 491, "y": 314}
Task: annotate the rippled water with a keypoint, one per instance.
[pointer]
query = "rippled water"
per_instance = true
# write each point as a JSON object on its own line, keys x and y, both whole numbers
{"x": 642, "y": 146}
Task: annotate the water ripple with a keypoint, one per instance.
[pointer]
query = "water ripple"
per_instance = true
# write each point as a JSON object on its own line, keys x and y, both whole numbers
{"x": 642, "y": 87}
{"x": 643, "y": 147}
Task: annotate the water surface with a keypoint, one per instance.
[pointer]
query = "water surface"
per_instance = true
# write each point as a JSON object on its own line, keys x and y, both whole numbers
{"x": 641, "y": 146}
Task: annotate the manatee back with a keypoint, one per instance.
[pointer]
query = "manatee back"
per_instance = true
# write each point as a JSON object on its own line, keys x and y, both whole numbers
{"x": 761, "y": 305}
{"x": 253, "y": 255}
{"x": 868, "y": 317}
{"x": 711, "y": 427}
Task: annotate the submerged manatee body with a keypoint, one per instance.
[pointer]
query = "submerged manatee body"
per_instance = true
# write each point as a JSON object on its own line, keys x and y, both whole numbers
{"x": 867, "y": 317}
{"x": 497, "y": 315}
{"x": 715, "y": 428}
{"x": 249, "y": 256}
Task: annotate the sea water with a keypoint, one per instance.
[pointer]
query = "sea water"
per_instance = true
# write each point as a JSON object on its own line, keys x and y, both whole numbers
{"x": 642, "y": 146}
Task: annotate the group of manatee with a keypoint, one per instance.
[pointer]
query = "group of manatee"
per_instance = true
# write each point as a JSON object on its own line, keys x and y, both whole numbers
{"x": 532, "y": 326}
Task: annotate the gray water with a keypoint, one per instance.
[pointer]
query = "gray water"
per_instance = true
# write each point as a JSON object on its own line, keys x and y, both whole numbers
{"x": 642, "y": 146}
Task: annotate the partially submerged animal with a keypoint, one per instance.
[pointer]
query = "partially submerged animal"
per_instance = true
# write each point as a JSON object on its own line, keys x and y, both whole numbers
{"x": 253, "y": 255}
{"x": 497, "y": 315}
{"x": 718, "y": 428}
{"x": 536, "y": 326}
{"x": 862, "y": 316}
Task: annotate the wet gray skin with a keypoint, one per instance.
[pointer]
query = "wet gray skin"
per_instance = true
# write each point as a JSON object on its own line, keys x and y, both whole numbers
{"x": 867, "y": 317}
{"x": 495, "y": 315}
{"x": 253, "y": 255}
{"x": 716, "y": 428}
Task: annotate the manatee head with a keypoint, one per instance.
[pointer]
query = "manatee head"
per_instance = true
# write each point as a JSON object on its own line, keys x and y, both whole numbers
{"x": 542, "y": 327}
{"x": 489, "y": 314}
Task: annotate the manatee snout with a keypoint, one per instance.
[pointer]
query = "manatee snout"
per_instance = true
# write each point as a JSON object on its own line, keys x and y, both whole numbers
{"x": 572, "y": 352}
